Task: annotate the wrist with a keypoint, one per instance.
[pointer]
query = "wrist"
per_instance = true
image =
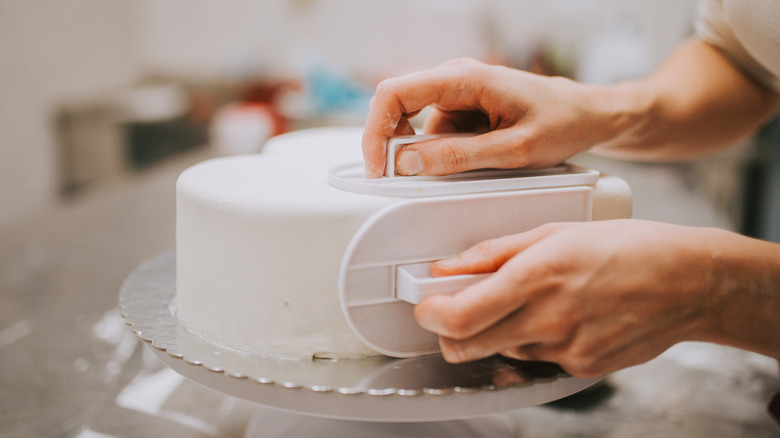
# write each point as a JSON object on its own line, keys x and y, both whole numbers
{"x": 627, "y": 111}
{"x": 744, "y": 293}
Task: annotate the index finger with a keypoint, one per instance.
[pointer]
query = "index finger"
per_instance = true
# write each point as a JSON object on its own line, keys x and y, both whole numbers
{"x": 485, "y": 303}
{"x": 399, "y": 97}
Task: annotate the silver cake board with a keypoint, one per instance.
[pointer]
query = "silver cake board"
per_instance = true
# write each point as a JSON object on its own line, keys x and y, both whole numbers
{"x": 333, "y": 394}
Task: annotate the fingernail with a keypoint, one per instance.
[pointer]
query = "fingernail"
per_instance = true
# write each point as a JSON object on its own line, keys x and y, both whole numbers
{"x": 446, "y": 263}
{"x": 410, "y": 163}
{"x": 443, "y": 266}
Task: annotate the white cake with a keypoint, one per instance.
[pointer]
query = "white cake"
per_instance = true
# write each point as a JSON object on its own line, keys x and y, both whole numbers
{"x": 259, "y": 244}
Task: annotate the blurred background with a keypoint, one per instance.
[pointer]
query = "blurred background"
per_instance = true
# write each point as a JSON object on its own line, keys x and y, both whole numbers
{"x": 104, "y": 102}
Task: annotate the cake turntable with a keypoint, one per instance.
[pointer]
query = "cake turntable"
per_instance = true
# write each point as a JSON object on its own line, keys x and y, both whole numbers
{"x": 401, "y": 395}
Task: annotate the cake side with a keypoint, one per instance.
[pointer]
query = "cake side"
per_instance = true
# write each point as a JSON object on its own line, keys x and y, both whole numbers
{"x": 259, "y": 245}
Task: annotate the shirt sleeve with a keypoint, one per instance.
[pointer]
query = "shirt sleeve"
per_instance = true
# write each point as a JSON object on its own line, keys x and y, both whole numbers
{"x": 712, "y": 26}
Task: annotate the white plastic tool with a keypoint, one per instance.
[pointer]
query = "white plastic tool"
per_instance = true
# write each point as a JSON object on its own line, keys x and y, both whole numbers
{"x": 396, "y": 143}
{"x": 384, "y": 269}
{"x": 413, "y": 282}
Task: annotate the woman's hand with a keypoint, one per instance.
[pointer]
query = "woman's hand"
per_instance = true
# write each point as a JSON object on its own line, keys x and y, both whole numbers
{"x": 693, "y": 105}
{"x": 525, "y": 120}
{"x": 595, "y": 297}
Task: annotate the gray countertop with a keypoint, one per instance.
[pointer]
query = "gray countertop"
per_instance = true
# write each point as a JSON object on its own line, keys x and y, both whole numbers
{"x": 71, "y": 368}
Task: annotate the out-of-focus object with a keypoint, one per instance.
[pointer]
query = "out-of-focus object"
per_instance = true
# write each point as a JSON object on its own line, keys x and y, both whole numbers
{"x": 761, "y": 191}
{"x": 106, "y": 136}
{"x": 241, "y": 128}
{"x": 619, "y": 53}
{"x": 244, "y": 125}
{"x": 149, "y": 103}
{"x": 334, "y": 96}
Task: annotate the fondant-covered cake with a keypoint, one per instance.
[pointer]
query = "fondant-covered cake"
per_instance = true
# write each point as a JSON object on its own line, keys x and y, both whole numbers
{"x": 259, "y": 244}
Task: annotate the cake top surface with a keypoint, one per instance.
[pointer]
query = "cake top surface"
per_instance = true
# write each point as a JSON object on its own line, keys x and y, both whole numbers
{"x": 290, "y": 174}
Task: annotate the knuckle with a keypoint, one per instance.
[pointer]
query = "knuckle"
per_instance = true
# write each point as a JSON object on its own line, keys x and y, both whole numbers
{"x": 485, "y": 252}
{"x": 516, "y": 353}
{"x": 556, "y": 330}
{"x": 576, "y": 365}
{"x": 453, "y": 159}
{"x": 458, "y": 325}
{"x": 584, "y": 371}
{"x": 384, "y": 86}
{"x": 579, "y": 353}
{"x": 520, "y": 155}
{"x": 452, "y": 351}
{"x": 550, "y": 228}
{"x": 581, "y": 361}
{"x": 386, "y": 90}
{"x": 575, "y": 370}
{"x": 485, "y": 247}
{"x": 463, "y": 62}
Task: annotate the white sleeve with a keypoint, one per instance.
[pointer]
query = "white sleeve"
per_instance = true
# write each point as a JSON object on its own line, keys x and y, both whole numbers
{"x": 711, "y": 26}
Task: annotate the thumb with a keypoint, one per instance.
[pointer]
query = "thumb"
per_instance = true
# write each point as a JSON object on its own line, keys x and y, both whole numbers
{"x": 448, "y": 155}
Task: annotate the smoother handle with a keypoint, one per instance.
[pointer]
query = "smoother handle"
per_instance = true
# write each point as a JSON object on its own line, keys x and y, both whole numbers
{"x": 414, "y": 282}
{"x": 394, "y": 144}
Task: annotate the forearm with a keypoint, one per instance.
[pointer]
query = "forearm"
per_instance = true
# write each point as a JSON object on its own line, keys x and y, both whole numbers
{"x": 745, "y": 293}
{"x": 695, "y": 104}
